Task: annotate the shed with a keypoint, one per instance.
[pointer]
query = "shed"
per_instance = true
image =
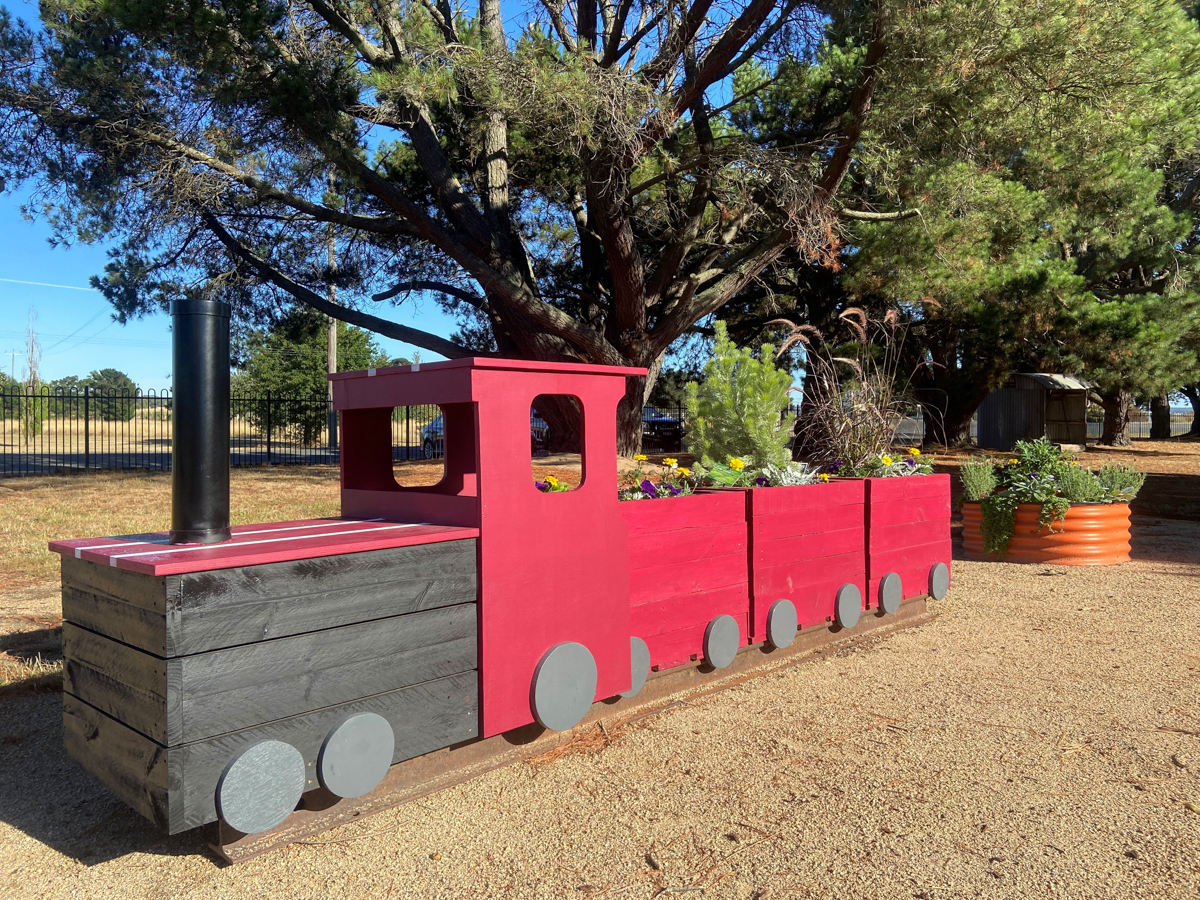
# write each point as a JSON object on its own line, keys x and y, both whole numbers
{"x": 1033, "y": 405}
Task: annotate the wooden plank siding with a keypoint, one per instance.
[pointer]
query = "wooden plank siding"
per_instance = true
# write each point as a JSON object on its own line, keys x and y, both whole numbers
{"x": 177, "y": 615}
{"x": 687, "y": 565}
{"x": 166, "y": 678}
{"x": 176, "y": 786}
{"x": 806, "y": 542}
{"x": 908, "y": 531}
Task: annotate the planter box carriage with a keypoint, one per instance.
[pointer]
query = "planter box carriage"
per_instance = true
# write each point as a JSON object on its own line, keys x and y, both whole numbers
{"x": 225, "y": 681}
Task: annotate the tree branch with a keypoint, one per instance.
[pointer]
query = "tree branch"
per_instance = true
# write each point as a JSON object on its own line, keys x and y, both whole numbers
{"x": 439, "y": 287}
{"x": 861, "y": 215}
{"x": 270, "y": 274}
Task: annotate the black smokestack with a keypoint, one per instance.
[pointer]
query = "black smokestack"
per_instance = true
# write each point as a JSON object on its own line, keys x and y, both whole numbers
{"x": 200, "y": 445}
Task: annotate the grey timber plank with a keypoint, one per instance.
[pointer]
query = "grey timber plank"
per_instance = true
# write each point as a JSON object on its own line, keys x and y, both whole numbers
{"x": 146, "y": 591}
{"x": 228, "y": 607}
{"x": 129, "y": 764}
{"x": 226, "y": 690}
{"x": 126, "y": 622}
{"x": 424, "y": 717}
{"x": 129, "y": 685}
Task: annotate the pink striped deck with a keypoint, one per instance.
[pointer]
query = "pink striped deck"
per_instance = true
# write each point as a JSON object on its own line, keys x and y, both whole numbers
{"x": 254, "y": 545}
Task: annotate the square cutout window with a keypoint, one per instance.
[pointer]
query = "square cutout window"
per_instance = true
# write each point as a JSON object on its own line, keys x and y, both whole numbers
{"x": 556, "y": 442}
{"x": 418, "y": 446}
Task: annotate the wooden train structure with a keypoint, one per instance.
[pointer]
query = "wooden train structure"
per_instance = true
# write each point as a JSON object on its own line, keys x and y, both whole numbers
{"x": 223, "y": 681}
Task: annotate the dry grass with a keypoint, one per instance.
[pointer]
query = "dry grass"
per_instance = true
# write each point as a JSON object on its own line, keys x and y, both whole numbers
{"x": 54, "y": 507}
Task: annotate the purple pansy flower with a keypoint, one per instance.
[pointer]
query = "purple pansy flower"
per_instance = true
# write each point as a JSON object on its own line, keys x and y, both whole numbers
{"x": 912, "y": 463}
{"x": 672, "y": 490}
{"x": 761, "y": 482}
{"x": 542, "y": 485}
{"x": 835, "y": 466}
{"x": 648, "y": 488}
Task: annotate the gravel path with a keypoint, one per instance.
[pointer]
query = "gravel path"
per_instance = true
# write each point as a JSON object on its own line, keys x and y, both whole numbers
{"x": 1039, "y": 738}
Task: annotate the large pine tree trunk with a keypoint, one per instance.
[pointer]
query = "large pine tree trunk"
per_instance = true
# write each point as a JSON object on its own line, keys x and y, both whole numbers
{"x": 1160, "y": 418}
{"x": 1118, "y": 405}
{"x": 1192, "y": 392}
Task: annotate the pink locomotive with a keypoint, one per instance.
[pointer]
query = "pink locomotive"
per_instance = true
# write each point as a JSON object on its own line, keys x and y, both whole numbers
{"x": 224, "y": 681}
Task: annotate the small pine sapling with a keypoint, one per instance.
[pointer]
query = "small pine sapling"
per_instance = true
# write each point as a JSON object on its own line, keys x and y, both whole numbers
{"x": 737, "y": 411}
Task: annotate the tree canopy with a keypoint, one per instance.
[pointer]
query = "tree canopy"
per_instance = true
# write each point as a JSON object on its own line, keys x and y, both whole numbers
{"x": 588, "y": 180}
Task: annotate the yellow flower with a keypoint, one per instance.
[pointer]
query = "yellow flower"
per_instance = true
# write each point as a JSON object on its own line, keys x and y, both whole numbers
{"x": 552, "y": 481}
{"x": 737, "y": 464}
{"x": 824, "y": 476}
{"x": 887, "y": 460}
{"x": 1012, "y": 462}
{"x": 913, "y": 451}
{"x": 670, "y": 462}
{"x": 684, "y": 471}
{"x": 640, "y": 457}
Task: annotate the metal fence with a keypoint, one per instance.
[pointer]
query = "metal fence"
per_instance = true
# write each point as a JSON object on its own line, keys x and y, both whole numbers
{"x": 43, "y": 432}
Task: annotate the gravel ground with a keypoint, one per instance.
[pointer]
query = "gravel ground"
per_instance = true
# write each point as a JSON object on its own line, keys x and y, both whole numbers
{"x": 1039, "y": 738}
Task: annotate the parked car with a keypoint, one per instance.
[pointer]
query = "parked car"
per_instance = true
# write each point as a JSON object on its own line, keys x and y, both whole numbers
{"x": 433, "y": 434}
{"x": 661, "y": 432}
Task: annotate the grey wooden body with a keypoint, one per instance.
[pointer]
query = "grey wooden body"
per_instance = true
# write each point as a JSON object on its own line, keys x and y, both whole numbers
{"x": 168, "y": 678}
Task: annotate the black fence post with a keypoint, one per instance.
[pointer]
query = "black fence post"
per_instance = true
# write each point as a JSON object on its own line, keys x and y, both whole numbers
{"x": 268, "y": 428}
{"x": 87, "y": 429}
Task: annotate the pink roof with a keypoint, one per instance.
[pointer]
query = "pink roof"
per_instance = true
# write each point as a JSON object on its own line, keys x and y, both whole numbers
{"x": 254, "y": 545}
{"x": 489, "y": 362}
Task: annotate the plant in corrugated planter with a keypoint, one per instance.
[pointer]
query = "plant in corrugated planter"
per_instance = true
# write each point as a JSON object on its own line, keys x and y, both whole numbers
{"x": 1040, "y": 474}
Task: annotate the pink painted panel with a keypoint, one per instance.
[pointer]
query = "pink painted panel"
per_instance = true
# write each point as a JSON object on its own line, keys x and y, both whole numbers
{"x": 656, "y": 548}
{"x": 675, "y": 577}
{"x": 702, "y": 510}
{"x": 254, "y": 545}
{"x": 674, "y": 613}
{"x": 676, "y": 648}
{"x": 908, "y": 531}
{"x": 808, "y": 547}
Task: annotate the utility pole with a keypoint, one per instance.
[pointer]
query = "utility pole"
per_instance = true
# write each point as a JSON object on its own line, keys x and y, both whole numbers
{"x": 332, "y": 423}
{"x": 12, "y": 365}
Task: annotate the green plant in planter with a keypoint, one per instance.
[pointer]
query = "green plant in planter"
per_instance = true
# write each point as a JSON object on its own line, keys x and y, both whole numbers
{"x": 978, "y": 478}
{"x": 1046, "y": 475}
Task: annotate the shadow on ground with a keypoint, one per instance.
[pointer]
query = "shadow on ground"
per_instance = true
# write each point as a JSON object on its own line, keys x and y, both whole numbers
{"x": 48, "y": 797}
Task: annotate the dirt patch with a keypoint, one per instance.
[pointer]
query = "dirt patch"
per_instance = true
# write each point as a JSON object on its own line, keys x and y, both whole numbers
{"x": 1038, "y": 738}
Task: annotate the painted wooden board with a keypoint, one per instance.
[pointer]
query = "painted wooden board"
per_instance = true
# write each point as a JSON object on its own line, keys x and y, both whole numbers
{"x": 898, "y": 512}
{"x": 176, "y": 787}
{"x": 178, "y": 615}
{"x": 806, "y": 542}
{"x": 676, "y": 648}
{"x": 700, "y": 510}
{"x": 908, "y": 531}
{"x": 835, "y": 518}
{"x": 647, "y": 549}
{"x": 688, "y": 609}
{"x": 195, "y": 697}
{"x": 674, "y": 578}
{"x": 257, "y": 544}
{"x": 915, "y": 487}
{"x": 814, "y": 498}
{"x": 909, "y": 534}
{"x": 807, "y": 548}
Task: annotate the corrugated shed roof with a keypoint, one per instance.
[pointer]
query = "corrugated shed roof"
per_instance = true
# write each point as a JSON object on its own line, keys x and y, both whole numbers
{"x": 1056, "y": 382}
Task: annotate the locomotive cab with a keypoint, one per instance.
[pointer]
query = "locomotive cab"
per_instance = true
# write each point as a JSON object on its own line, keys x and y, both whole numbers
{"x": 553, "y": 578}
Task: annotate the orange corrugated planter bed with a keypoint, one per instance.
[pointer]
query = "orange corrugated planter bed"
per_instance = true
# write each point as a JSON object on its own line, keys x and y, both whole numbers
{"x": 1092, "y": 534}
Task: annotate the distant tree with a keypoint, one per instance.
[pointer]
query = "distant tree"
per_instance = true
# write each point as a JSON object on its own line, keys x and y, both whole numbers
{"x": 11, "y": 392}
{"x": 291, "y": 359}
{"x": 114, "y": 395}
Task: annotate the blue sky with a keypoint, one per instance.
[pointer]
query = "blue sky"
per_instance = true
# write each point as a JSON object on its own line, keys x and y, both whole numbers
{"x": 75, "y": 326}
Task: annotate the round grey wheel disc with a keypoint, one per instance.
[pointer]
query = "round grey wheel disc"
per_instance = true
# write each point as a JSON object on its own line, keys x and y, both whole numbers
{"x": 891, "y": 592}
{"x": 939, "y": 581}
{"x": 356, "y": 755}
{"x": 848, "y": 606}
{"x": 639, "y": 664}
{"x": 721, "y": 640}
{"x": 782, "y": 623}
{"x": 564, "y": 686}
{"x": 261, "y": 786}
